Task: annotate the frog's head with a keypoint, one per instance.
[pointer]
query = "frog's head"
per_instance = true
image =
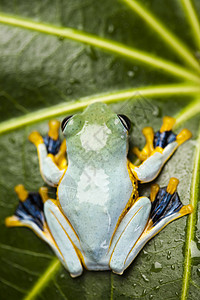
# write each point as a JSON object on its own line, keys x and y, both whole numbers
{"x": 96, "y": 129}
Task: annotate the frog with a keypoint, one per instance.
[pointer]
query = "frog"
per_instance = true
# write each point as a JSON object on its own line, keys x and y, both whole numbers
{"x": 98, "y": 219}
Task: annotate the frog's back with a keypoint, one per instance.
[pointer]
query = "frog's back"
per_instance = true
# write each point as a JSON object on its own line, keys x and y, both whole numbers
{"x": 96, "y": 186}
{"x": 93, "y": 199}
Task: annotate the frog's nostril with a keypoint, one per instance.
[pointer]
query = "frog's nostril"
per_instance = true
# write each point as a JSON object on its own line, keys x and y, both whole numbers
{"x": 65, "y": 121}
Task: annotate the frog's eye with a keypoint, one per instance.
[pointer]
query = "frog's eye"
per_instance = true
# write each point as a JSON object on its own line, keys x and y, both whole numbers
{"x": 125, "y": 121}
{"x": 65, "y": 121}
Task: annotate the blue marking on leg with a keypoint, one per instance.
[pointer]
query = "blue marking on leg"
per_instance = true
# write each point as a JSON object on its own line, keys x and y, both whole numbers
{"x": 53, "y": 146}
{"x": 31, "y": 210}
{"x": 164, "y": 205}
{"x": 162, "y": 139}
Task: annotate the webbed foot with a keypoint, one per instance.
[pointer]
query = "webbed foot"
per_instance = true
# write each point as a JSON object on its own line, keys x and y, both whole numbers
{"x": 158, "y": 149}
{"x": 51, "y": 153}
{"x": 156, "y": 142}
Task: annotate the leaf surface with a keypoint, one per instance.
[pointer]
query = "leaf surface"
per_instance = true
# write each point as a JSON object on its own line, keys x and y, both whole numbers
{"x": 142, "y": 59}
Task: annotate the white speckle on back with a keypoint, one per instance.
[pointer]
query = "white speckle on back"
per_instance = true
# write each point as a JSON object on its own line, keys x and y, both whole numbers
{"x": 94, "y": 137}
{"x": 93, "y": 186}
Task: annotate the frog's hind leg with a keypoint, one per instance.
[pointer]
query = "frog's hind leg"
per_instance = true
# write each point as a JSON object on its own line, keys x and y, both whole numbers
{"x": 51, "y": 153}
{"x": 65, "y": 237}
{"x": 158, "y": 149}
{"x": 29, "y": 213}
{"x": 166, "y": 207}
{"x": 128, "y": 232}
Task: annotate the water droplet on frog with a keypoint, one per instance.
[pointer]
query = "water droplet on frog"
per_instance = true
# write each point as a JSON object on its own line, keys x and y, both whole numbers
{"x": 156, "y": 267}
{"x": 62, "y": 275}
{"x": 157, "y": 287}
{"x": 161, "y": 281}
{"x": 173, "y": 267}
{"x": 198, "y": 272}
{"x": 144, "y": 292}
{"x": 111, "y": 28}
{"x": 131, "y": 74}
{"x": 150, "y": 296}
{"x": 145, "y": 252}
{"x": 176, "y": 293}
{"x": 145, "y": 278}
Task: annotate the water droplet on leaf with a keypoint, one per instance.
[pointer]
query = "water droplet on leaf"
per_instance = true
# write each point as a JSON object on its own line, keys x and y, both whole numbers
{"x": 144, "y": 292}
{"x": 173, "y": 267}
{"x": 156, "y": 267}
{"x": 131, "y": 74}
{"x": 111, "y": 28}
{"x": 145, "y": 278}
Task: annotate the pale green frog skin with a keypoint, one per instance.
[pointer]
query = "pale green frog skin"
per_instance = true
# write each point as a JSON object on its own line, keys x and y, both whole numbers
{"x": 96, "y": 185}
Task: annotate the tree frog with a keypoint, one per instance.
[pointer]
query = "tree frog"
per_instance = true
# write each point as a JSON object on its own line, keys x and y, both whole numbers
{"x": 98, "y": 219}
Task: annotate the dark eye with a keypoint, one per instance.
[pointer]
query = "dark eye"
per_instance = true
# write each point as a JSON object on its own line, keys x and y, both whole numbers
{"x": 65, "y": 121}
{"x": 125, "y": 121}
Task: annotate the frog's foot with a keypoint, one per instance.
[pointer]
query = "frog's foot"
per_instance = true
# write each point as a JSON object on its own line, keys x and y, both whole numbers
{"x": 67, "y": 242}
{"x": 52, "y": 140}
{"x": 29, "y": 213}
{"x": 55, "y": 148}
{"x": 158, "y": 149}
{"x": 52, "y": 155}
{"x": 36, "y": 138}
{"x": 149, "y": 146}
{"x": 166, "y": 207}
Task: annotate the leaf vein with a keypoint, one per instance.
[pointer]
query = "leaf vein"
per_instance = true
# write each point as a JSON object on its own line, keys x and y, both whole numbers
{"x": 191, "y": 220}
{"x": 175, "y": 43}
{"x": 60, "y": 109}
{"x": 192, "y": 19}
{"x": 105, "y": 44}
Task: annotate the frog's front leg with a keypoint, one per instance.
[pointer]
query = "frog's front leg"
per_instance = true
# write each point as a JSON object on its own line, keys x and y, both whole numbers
{"x": 51, "y": 153}
{"x": 143, "y": 221}
{"x": 158, "y": 149}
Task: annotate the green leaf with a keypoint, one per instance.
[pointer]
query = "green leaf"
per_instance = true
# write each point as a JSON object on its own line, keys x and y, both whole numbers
{"x": 140, "y": 57}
